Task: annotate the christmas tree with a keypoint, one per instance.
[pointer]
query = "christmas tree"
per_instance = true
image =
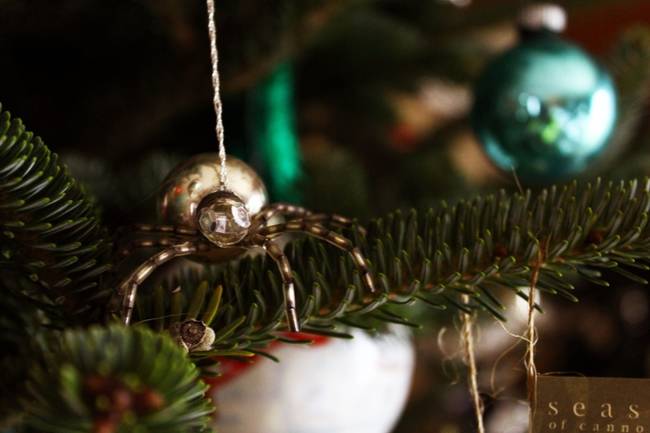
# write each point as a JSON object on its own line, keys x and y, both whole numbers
{"x": 416, "y": 165}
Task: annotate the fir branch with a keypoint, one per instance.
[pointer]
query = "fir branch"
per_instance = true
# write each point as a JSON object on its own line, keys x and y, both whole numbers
{"x": 115, "y": 379}
{"x": 19, "y": 322}
{"x": 475, "y": 247}
{"x": 49, "y": 227}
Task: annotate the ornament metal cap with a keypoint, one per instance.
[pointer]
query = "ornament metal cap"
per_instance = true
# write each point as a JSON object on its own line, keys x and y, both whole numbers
{"x": 543, "y": 16}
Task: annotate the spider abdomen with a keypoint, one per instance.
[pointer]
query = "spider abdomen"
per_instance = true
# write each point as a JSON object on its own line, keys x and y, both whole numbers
{"x": 191, "y": 181}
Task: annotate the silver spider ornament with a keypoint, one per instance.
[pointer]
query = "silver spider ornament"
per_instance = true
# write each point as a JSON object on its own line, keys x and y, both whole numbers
{"x": 209, "y": 224}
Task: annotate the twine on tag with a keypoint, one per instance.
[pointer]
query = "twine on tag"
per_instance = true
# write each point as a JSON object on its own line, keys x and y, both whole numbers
{"x": 468, "y": 320}
{"x": 531, "y": 341}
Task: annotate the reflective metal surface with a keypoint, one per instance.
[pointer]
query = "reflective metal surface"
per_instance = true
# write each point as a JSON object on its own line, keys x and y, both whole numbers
{"x": 545, "y": 109}
{"x": 192, "y": 180}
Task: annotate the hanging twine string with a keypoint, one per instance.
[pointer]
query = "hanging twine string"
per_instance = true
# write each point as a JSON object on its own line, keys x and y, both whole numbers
{"x": 468, "y": 320}
{"x": 216, "y": 100}
{"x": 531, "y": 331}
{"x": 531, "y": 341}
{"x": 530, "y": 337}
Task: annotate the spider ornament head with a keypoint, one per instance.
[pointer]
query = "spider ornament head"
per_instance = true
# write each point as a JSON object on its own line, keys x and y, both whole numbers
{"x": 222, "y": 217}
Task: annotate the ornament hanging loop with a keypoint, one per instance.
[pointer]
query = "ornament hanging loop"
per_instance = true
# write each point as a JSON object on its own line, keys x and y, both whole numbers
{"x": 542, "y": 17}
{"x": 216, "y": 100}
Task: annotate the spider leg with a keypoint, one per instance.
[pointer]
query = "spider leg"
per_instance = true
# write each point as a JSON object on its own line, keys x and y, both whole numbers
{"x": 321, "y": 232}
{"x": 128, "y": 289}
{"x": 126, "y": 249}
{"x": 335, "y": 220}
{"x": 292, "y": 212}
{"x": 285, "y": 209}
{"x": 275, "y": 252}
{"x": 160, "y": 236}
{"x": 165, "y": 229}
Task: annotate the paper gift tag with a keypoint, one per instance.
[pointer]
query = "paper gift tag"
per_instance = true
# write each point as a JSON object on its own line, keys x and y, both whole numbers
{"x": 592, "y": 404}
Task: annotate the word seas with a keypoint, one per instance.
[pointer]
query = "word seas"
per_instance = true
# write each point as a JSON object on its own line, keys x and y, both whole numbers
{"x": 582, "y": 404}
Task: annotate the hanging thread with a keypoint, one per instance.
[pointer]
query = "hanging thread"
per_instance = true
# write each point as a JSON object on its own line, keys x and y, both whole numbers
{"x": 470, "y": 360}
{"x": 216, "y": 100}
{"x": 531, "y": 341}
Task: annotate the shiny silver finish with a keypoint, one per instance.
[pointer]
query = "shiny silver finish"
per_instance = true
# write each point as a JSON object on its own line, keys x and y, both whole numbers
{"x": 129, "y": 287}
{"x": 194, "y": 206}
{"x": 223, "y": 219}
{"x": 191, "y": 181}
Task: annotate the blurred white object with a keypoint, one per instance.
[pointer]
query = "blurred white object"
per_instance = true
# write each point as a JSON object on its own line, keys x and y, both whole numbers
{"x": 634, "y": 307}
{"x": 508, "y": 417}
{"x": 342, "y": 386}
{"x": 493, "y": 338}
{"x": 543, "y": 16}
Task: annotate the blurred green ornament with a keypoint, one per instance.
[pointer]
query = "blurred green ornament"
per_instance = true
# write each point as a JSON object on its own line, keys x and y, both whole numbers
{"x": 274, "y": 135}
{"x": 544, "y": 108}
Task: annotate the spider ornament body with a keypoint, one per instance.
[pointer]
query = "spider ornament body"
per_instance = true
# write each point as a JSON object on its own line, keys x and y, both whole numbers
{"x": 215, "y": 225}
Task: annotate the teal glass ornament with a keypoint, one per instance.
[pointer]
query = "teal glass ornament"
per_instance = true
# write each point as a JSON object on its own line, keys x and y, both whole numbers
{"x": 544, "y": 109}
